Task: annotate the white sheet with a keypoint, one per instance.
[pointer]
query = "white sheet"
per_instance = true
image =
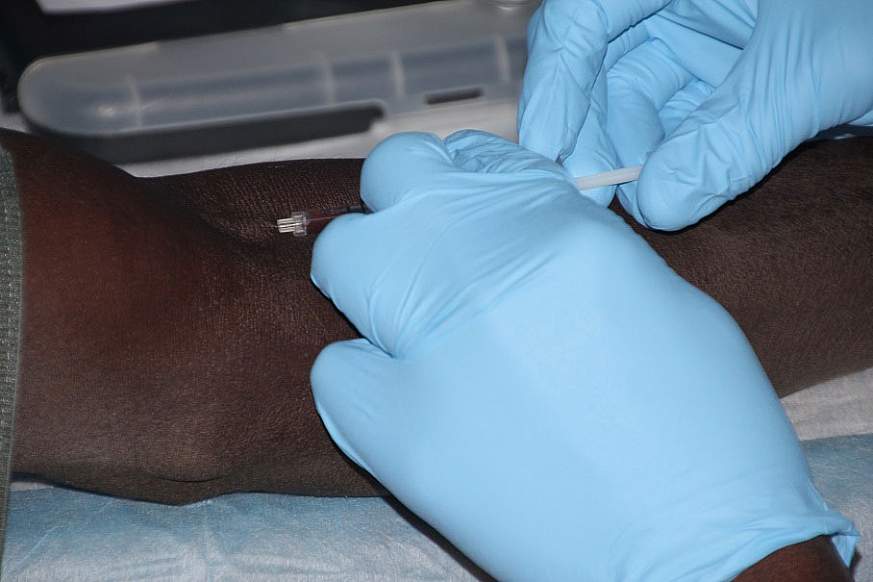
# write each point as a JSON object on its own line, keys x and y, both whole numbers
{"x": 843, "y": 406}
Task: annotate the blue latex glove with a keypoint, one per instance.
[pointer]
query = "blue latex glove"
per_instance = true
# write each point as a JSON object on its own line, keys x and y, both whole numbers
{"x": 713, "y": 93}
{"x": 540, "y": 386}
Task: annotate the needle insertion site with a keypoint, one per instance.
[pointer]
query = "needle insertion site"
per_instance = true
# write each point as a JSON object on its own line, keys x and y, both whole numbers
{"x": 305, "y": 222}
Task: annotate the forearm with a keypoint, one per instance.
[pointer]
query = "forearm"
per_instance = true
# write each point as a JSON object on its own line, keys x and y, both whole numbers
{"x": 164, "y": 356}
{"x": 792, "y": 262}
{"x": 139, "y": 292}
{"x": 169, "y": 330}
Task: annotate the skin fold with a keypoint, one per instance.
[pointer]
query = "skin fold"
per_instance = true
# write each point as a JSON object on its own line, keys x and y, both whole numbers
{"x": 169, "y": 329}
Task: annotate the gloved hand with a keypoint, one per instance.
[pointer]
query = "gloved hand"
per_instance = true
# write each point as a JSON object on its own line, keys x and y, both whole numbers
{"x": 540, "y": 386}
{"x": 711, "y": 94}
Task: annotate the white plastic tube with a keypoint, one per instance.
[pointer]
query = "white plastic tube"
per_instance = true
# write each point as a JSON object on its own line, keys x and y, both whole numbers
{"x": 298, "y": 222}
{"x": 610, "y": 178}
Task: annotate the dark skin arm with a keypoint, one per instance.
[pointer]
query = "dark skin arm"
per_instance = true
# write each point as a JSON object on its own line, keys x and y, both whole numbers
{"x": 815, "y": 560}
{"x": 166, "y": 352}
{"x": 169, "y": 330}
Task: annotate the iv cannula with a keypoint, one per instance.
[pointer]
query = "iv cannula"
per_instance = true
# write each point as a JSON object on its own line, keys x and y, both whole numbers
{"x": 306, "y": 222}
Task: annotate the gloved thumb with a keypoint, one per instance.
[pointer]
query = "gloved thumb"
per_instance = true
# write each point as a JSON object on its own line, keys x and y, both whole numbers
{"x": 354, "y": 384}
{"x": 734, "y": 138}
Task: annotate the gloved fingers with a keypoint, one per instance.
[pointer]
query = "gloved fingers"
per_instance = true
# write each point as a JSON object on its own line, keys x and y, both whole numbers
{"x": 683, "y": 104}
{"x": 705, "y": 36}
{"x": 641, "y": 84}
{"x": 567, "y": 45}
{"x": 399, "y": 165}
{"x": 790, "y": 82}
{"x": 820, "y": 53}
{"x": 480, "y": 152}
{"x": 672, "y": 114}
{"x": 367, "y": 265}
{"x": 356, "y": 254}
{"x": 354, "y": 385}
{"x": 594, "y": 151}
{"x": 363, "y": 262}
{"x": 347, "y": 260}
{"x": 731, "y": 141}
{"x": 625, "y": 43}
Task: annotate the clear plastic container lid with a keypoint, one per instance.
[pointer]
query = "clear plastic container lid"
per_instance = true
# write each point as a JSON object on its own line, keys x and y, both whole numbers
{"x": 401, "y": 60}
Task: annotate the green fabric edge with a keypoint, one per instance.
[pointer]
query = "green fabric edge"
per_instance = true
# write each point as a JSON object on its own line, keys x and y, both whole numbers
{"x": 10, "y": 323}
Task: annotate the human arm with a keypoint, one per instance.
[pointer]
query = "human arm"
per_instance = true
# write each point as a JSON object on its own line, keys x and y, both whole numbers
{"x": 801, "y": 300}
